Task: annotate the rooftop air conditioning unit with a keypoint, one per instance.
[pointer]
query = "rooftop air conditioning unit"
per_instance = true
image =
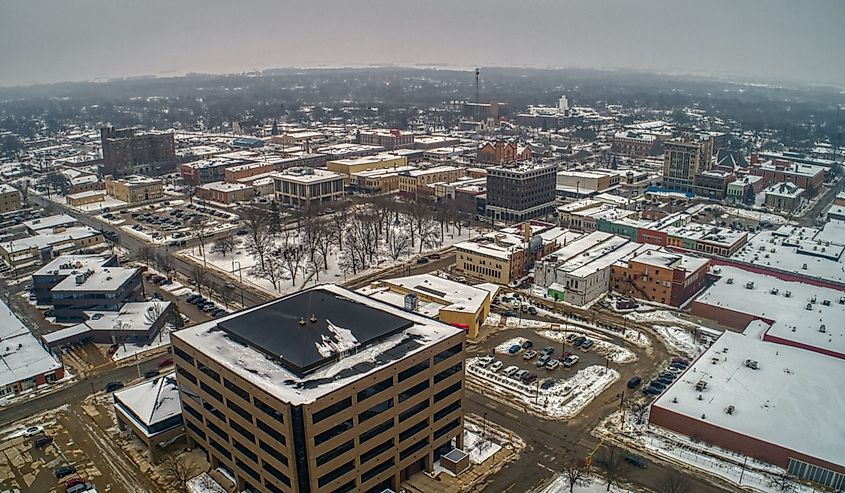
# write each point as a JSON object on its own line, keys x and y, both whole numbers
{"x": 788, "y": 294}
{"x": 826, "y": 302}
{"x": 730, "y": 409}
{"x": 822, "y": 329}
{"x": 750, "y": 363}
{"x": 730, "y": 280}
{"x": 749, "y": 285}
{"x": 809, "y": 307}
{"x": 774, "y": 291}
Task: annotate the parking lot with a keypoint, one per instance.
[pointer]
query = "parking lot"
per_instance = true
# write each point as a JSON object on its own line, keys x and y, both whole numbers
{"x": 171, "y": 221}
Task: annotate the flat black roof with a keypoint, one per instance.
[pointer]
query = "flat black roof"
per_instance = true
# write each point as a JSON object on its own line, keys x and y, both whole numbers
{"x": 274, "y": 328}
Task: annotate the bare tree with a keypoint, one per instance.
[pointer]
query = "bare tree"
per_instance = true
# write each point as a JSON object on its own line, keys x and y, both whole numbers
{"x": 339, "y": 219}
{"x": 398, "y": 243}
{"x": 783, "y": 482}
{"x": 272, "y": 270}
{"x": 24, "y": 189}
{"x": 177, "y": 471}
{"x": 154, "y": 312}
{"x": 324, "y": 241}
{"x": 56, "y": 182}
{"x": 224, "y": 245}
{"x": 611, "y": 463}
{"x": 314, "y": 266}
{"x": 176, "y": 322}
{"x": 672, "y": 482}
{"x": 200, "y": 228}
{"x": 293, "y": 255}
{"x": 428, "y": 232}
{"x": 226, "y": 294}
{"x": 259, "y": 245}
{"x": 576, "y": 473}
{"x": 199, "y": 276}
{"x": 145, "y": 254}
{"x": 164, "y": 260}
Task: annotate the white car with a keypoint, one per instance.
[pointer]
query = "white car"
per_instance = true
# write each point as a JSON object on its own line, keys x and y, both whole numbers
{"x": 552, "y": 364}
{"x": 510, "y": 370}
{"x": 570, "y": 361}
{"x": 518, "y": 375}
{"x": 33, "y": 430}
{"x": 484, "y": 361}
{"x": 496, "y": 366}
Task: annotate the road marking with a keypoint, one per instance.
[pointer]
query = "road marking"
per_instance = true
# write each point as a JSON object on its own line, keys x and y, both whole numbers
{"x": 512, "y": 415}
{"x": 546, "y": 467}
{"x": 491, "y": 405}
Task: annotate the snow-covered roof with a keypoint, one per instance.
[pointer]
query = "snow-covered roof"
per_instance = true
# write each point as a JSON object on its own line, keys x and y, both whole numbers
{"x": 221, "y": 186}
{"x": 448, "y": 295}
{"x": 151, "y": 401}
{"x": 350, "y": 360}
{"x": 670, "y": 260}
{"x": 6, "y": 188}
{"x": 21, "y": 355}
{"x": 67, "y": 264}
{"x": 768, "y": 299}
{"x": 794, "y": 399}
{"x": 101, "y": 279}
{"x": 44, "y": 238}
{"x": 49, "y": 222}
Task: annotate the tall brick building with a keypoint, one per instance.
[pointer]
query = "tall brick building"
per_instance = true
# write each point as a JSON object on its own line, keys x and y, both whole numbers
{"x": 126, "y": 152}
{"x": 518, "y": 194}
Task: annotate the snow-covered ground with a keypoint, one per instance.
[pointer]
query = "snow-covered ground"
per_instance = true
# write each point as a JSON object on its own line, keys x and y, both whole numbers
{"x": 204, "y": 484}
{"x": 661, "y": 317}
{"x": 563, "y": 400}
{"x": 613, "y": 352}
{"x": 129, "y": 349}
{"x": 679, "y": 340}
{"x": 503, "y": 347}
{"x": 479, "y": 448}
{"x": 592, "y": 484}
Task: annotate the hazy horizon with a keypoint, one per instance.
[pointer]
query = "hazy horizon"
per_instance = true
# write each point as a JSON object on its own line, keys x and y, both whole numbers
{"x": 777, "y": 40}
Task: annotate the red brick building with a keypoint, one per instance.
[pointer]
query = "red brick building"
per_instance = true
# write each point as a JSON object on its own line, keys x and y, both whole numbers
{"x": 660, "y": 276}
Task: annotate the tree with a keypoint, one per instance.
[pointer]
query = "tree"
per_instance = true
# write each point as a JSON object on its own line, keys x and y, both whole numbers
{"x": 199, "y": 276}
{"x": 398, "y": 243}
{"x": 176, "y": 321}
{"x": 272, "y": 270}
{"x": 323, "y": 242}
{"x": 782, "y": 482}
{"x": 146, "y": 254}
{"x": 57, "y": 182}
{"x": 313, "y": 267}
{"x": 611, "y": 463}
{"x": 576, "y": 473}
{"x": 259, "y": 246}
{"x": 293, "y": 255}
{"x": 226, "y": 294}
{"x": 224, "y": 245}
{"x": 164, "y": 260}
{"x": 673, "y": 482}
{"x": 177, "y": 471}
{"x": 24, "y": 189}
{"x": 275, "y": 218}
{"x": 750, "y": 196}
{"x": 259, "y": 241}
{"x": 154, "y": 312}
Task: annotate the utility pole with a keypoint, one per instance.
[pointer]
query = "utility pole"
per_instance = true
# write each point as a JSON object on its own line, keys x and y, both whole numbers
{"x": 477, "y": 85}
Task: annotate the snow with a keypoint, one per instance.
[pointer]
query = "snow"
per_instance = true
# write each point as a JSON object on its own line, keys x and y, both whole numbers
{"x": 613, "y": 352}
{"x": 479, "y": 448}
{"x": 790, "y": 386}
{"x": 563, "y": 400}
{"x": 679, "y": 340}
{"x": 343, "y": 341}
{"x": 22, "y": 354}
{"x": 130, "y": 349}
{"x": 594, "y": 484}
{"x": 253, "y": 366}
{"x": 152, "y": 401}
{"x": 204, "y": 484}
{"x": 660, "y": 316}
{"x": 503, "y": 347}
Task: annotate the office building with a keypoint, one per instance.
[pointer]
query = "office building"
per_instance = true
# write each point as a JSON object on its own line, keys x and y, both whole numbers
{"x": 521, "y": 193}
{"x": 10, "y": 198}
{"x": 135, "y": 188}
{"x": 307, "y": 187}
{"x": 684, "y": 159}
{"x": 322, "y": 390}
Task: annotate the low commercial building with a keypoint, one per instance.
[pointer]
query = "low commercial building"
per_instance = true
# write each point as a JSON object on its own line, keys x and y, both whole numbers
{"x": 745, "y": 189}
{"x": 152, "y": 411}
{"x": 10, "y": 198}
{"x": 46, "y": 245}
{"x": 450, "y": 302}
{"x": 378, "y": 180}
{"x": 354, "y": 165}
{"x": 577, "y": 183}
{"x": 226, "y": 193}
{"x": 763, "y": 400}
{"x": 307, "y": 187}
{"x": 131, "y": 323}
{"x": 784, "y": 197}
{"x": 389, "y": 139}
{"x": 805, "y": 176}
{"x": 54, "y": 224}
{"x": 59, "y": 269}
{"x": 660, "y": 276}
{"x": 135, "y": 188}
{"x": 84, "y": 198}
{"x": 322, "y": 390}
{"x": 95, "y": 289}
{"x": 26, "y": 363}
{"x": 413, "y": 181}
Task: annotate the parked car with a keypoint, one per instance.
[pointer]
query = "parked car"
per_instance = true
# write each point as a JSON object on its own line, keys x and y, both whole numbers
{"x": 542, "y": 360}
{"x": 219, "y": 313}
{"x": 552, "y": 364}
{"x": 151, "y": 373}
{"x": 570, "y": 337}
{"x": 64, "y": 471}
{"x": 528, "y": 378}
{"x": 70, "y": 483}
{"x": 422, "y": 260}
{"x": 165, "y": 362}
{"x": 570, "y": 361}
{"x": 679, "y": 366}
{"x": 42, "y": 441}
{"x": 524, "y": 308}
{"x": 519, "y": 374}
{"x": 547, "y": 383}
{"x": 636, "y": 461}
{"x": 80, "y": 488}
{"x": 657, "y": 384}
{"x": 527, "y": 344}
{"x": 669, "y": 375}
{"x": 548, "y": 350}
{"x": 514, "y": 349}
{"x": 529, "y": 354}
{"x": 634, "y": 382}
{"x": 112, "y": 386}
{"x": 677, "y": 359}
{"x": 484, "y": 361}
{"x": 33, "y": 430}
{"x": 564, "y": 356}
{"x": 434, "y": 256}
{"x": 509, "y": 313}
{"x": 496, "y": 366}
{"x": 587, "y": 344}
{"x": 579, "y": 340}
{"x": 510, "y": 370}
{"x": 651, "y": 391}
{"x": 532, "y": 310}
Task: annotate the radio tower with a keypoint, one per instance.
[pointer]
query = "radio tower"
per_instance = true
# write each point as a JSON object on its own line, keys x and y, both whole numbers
{"x": 477, "y": 99}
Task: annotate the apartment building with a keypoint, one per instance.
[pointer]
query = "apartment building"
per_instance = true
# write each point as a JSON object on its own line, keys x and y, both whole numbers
{"x": 684, "y": 159}
{"x": 636, "y": 144}
{"x": 307, "y": 187}
{"x": 10, "y": 198}
{"x": 411, "y": 182}
{"x": 389, "y": 139}
{"x": 126, "y": 152}
{"x": 323, "y": 390}
{"x": 135, "y": 188}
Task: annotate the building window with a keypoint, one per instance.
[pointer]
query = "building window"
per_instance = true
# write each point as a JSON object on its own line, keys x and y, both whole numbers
{"x": 211, "y": 392}
{"x": 375, "y": 389}
{"x": 220, "y": 449}
{"x": 335, "y": 452}
{"x": 245, "y": 468}
{"x": 186, "y": 374}
{"x": 448, "y": 372}
{"x": 273, "y": 452}
{"x": 373, "y": 432}
{"x": 350, "y": 486}
{"x": 196, "y": 430}
{"x": 331, "y": 410}
{"x": 243, "y": 431}
{"x": 376, "y": 451}
{"x": 182, "y": 354}
{"x": 244, "y": 450}
{"x": 243, "y": 394}
{"x": 447, "y": 391}
{"x": 444, "y": 355}
{"x": 411, "y": 411}
{"x": 193, "y": 412}
{"x": 270, "y": 431}
{"x": 276, "y": 473}
{"x": 213, "y": 410}
{"x": 219, "y": 431}
{"x": 447, "y": 428}
{"x": 416, "y": 389}
{"x": 208, "y": 371}
{"x": 333, "y": 432}
{"x": 408, "y": 373}
{"x": 269, "y": 410}
{"x": 413, "y": 430}
{"x": 447, "y": 410}
{"x": 413, "y": 449}
{"x": 375, "y": 410}
{"x": 335, "y": 473}
{"x": 377, "y": 470}
{"x": 238, "y": 409}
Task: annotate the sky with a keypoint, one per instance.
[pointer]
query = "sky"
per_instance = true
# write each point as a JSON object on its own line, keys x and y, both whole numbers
{"x": 771, "y": 40}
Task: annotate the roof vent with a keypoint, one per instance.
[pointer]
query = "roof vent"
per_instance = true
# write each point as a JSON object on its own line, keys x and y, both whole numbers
{"x": 301, "y": 321}
{"x": 823, "y": 329}
{"x": 730, "y": 409}
{"x": 313, "y": 318}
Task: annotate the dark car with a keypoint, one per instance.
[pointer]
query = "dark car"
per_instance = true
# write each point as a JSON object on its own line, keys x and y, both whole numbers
{"x": 679, "y": 366}
{"x": 73, "y": 482}
{"x": 657, "y": 384}
{"x": 668, "y": 375}
{"x": 42, "y": 441}
{"x": 165, "y": 362}
{"x": 64, "y": 471}
{"x": 634, "y": 382}
{"x": 218, "y": 313}
{"x": 112, "y": 386}
{"x": 514, "y": 349}
{"x": 509, "y": 313}
{"x": 434, "y": 256}
{"x": 651, "y": 391}
{"x": 528, "y": 378}
{"x": 677, "y": 359}
{"x": 199, "y": 301}
{"x": 151, "y": 373}
{"x": 548, "y": 383}
{"x": 422, "y": 260}
{"x": 665, "y": 381}
{"x": 636, "y": 461}
{"x": 242, "y": 232}
{"x": 579, "y": 340}
{"x": 527, "y": 344}
{"x": 547, "y": 350}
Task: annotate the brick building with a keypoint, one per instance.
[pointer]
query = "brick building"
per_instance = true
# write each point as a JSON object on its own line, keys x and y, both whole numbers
{"x": 126, "y": 152}
{"x": 521, "y": 193}
{"x": 659, "y": 276}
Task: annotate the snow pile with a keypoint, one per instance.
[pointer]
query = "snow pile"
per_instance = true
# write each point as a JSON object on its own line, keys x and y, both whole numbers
{"x": 478, "y": 447}
{"x": 503, "y": 347}
{"x": 593, "y": 484}
{"x": 493, "y": 319}
{"x": 679, "y": 340}
{"x": 660, "y": 316}
{"x": 343, "y": 341}
{"x": 613, "y": 352}
{"x": 204, "y": 484}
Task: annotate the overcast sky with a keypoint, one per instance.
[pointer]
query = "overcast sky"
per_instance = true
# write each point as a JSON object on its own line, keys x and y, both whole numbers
{"x": 59, "y": 40}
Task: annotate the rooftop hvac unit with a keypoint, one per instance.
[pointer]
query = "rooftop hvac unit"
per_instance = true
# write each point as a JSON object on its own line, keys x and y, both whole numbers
{"x": 750, "y": 363}
{"x": 823, "y": 329}
{"x": 80, "y": 278}
{"x": 730, "y": 280}
{"x": 701, "y": 385}
{"x": 788, "y": 294}
{"x": 813, "y": 299}
{"x": 729, "y": 409}
{"x": 842, "y": 300}
{"x": 826, "y": 302}
{"x": 411, "y": 302}
{"x": 749, "y": 285}
{"x": 774, "y": 291}
{"x": 809, "y": 307}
